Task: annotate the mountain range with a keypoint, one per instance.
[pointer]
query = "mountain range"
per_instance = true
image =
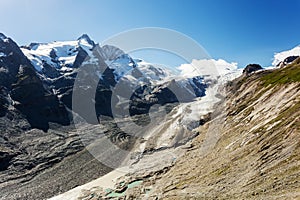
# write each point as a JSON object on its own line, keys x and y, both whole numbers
{"x": 37, "y": 85}
{"x": 41, "y": 80}
{"x": 44, "y": 152}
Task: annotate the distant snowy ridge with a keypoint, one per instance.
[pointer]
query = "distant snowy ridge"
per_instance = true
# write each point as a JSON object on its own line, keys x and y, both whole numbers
{"x": 217, "y": 69}
{"x": 279, "y": 57}
{"x": 61, "y": 57}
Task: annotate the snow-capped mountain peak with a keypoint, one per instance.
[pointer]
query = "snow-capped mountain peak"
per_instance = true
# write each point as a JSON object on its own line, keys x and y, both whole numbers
{"x": 86, "y": 38}
{"x": 58, "y": 54}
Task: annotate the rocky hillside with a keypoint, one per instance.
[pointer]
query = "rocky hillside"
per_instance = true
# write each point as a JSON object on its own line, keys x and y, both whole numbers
{"x": 249, "y": 150}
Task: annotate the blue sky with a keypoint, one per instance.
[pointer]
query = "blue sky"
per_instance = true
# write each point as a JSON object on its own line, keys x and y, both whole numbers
{"x": 241, "y": 31}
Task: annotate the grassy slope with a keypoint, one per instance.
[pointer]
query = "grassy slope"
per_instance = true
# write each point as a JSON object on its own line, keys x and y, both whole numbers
{"x": 288, "y": 74}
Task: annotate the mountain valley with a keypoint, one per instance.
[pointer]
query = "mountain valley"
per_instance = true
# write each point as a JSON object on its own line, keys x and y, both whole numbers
{"x": 74, "y": 112}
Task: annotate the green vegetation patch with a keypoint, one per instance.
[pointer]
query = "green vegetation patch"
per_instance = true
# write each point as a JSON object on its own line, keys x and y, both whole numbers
{"x": 288, "y": 74}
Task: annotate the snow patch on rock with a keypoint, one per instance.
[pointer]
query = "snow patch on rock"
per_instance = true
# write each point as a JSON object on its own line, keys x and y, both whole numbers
{"x": 279, "y": 57}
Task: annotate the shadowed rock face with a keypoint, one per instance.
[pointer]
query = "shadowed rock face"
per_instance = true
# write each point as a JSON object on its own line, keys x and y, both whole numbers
{"x": 19, "y": 80}
{"x": 50, "y": 71}
{"x": 287, "y": 61}
{"x": 251, "y": 68}
{"x": 4, "y": 101}
{"x": 290, "y": 59}
{"x": 5, "y": 158}
{"x": 80, "y": 57}
{"x": 10, "y": 60}
{"x": 39, "y": 105}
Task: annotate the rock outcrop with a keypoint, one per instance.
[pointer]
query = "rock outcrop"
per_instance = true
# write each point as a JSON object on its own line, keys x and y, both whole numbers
{"x": 251, "y": 68}
{"x": 287, "y": 61}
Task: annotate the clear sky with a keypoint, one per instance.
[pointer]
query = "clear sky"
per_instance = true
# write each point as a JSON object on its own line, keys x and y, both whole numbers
{"x": 243, "y": 31}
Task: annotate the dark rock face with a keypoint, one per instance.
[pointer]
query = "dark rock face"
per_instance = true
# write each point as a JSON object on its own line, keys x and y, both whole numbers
{"x": 290, "y": 59}
{"x": 4, "y": 101}
{"x": 198, "y": 86}
{"x": 10, "y": 60}
{"x": 81, "y": 56}
{"x": 5, "y": 158}
{"x": 19, "y": 79}
{"x": 103, "y": 101}
{"x": 287, "y": 61}
{"x": 50, "y": 71}
{"x": 108, "y": 78}
{"x": 39, "y": 105}
{"x": 251, "y": 68}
